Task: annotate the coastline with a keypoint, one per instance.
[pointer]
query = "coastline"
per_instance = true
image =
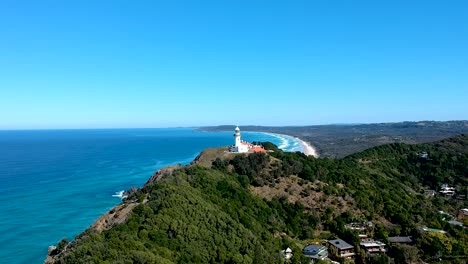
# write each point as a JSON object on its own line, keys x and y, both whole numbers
{"x": 120, "y": 212}
{"x": 308, "y": 149}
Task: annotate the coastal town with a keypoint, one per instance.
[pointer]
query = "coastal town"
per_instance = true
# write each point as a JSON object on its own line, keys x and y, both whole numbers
{"x": 338, "y": 250}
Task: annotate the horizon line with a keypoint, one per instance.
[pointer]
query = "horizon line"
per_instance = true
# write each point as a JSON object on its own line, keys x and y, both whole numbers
{"x": 194, "y": 127}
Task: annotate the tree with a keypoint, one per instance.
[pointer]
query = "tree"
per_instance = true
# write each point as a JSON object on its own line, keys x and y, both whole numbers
{"x": 405, "y": 254}
{"x": 61, "y": 245}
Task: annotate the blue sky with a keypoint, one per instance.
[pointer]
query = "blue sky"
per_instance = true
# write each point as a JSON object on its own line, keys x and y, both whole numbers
{"x": 99, "y": 64}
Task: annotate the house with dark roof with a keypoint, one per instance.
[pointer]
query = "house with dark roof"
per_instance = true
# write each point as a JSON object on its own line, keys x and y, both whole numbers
{"x": 316, "y": 252}
{"x": 341, "y": 248}
{"x": 400, "y": 240}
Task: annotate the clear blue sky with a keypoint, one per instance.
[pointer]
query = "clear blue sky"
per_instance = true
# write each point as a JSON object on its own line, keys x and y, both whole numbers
{"x": 98, "y": 64}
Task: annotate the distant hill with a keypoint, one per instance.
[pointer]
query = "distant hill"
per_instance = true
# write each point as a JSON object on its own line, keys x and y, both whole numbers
{"x": 337, "y": 141}
{"x": 245, "y": 208}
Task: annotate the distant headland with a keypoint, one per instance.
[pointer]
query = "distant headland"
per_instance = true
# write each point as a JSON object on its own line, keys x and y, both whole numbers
{"x": 340, "y": 140}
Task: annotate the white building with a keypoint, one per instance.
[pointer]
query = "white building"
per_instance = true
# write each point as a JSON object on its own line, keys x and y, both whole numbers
{"x": 447, "y": 190}
{"x": 239, "y": 146}
{"x": 243, "y": 146}
{"x": 372, "y": 247}
{"x": 287, "y": 253}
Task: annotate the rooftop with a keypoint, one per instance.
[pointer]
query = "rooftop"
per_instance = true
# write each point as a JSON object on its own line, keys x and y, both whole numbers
{"x": 372, "y": 244}
{"x": 456, "y": 223}
{"x": 400, "y": 239}
{"x": 427, "y": 229}
{"x": 257, "y": 149}
{"x": 339, "y": 243}
{"x": 314, "y": 249}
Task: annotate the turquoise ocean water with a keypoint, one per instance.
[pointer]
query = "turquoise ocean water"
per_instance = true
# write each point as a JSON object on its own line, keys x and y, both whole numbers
{"x": 55, "y": 183}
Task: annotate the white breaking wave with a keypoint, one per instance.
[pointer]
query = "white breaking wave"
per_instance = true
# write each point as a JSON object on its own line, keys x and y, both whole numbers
{"x": 284, "y": 142}
{"x": 289, "y": 143}
{"x": 292, "y": 144}
{"x": 120, "y": 194}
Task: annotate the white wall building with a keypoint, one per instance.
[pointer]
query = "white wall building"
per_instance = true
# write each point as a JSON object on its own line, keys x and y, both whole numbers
{"x": 287, "y": 253}
{"x": 239, "y": 146}
{"x": 447, "y": 190}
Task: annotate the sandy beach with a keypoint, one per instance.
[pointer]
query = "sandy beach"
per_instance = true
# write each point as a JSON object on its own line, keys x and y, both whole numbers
{"x": 308, "y": 149}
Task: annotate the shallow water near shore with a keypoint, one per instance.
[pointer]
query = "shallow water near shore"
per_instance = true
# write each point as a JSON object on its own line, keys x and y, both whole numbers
{"x": 55, "y": 183}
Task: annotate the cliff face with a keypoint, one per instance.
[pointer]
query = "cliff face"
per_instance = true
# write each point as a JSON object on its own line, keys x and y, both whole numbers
{"x": 241, "y": 208}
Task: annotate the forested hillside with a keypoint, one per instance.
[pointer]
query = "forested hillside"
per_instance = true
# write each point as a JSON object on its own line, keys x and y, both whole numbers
{"x": 246, "y": 208}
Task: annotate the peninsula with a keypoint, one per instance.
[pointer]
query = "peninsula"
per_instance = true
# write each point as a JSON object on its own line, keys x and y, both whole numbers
{"x": 379, "y": 205}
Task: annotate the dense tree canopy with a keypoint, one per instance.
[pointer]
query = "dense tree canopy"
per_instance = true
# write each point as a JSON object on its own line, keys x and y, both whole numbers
{"x": 211, "y": 215}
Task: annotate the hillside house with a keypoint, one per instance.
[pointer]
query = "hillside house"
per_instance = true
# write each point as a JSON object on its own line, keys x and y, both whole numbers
{"x": 363, "y": 238}
{"x": 316, "y": 252}
{"x": 423, "y": 155}
{"x": 446, "y": 190}
{"x": 359, "y": 226}
{"x": 400, "y": 240}
{"x": 373, "y": 247}
{"x": 455, "y": 223}
{"x": 427, "y": 229}
{"x": 429, "y": 193}
{"x": 341, "y": 248}
{"x": 287, "y": 253}
{"x": 463, "y": 213}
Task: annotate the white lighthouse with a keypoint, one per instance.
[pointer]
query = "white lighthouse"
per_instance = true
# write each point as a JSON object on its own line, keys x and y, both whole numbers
{"x": 239, "y": 146}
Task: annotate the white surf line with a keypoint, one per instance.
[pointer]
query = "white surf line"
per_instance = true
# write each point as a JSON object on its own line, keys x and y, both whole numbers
{"x": 309, "y": 150}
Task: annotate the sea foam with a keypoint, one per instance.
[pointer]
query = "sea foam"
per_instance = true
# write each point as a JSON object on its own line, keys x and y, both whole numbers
{"x": 120, "y": 194}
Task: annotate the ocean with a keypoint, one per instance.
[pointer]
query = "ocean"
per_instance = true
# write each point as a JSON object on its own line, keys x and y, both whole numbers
{"x": 56, "y": 183}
